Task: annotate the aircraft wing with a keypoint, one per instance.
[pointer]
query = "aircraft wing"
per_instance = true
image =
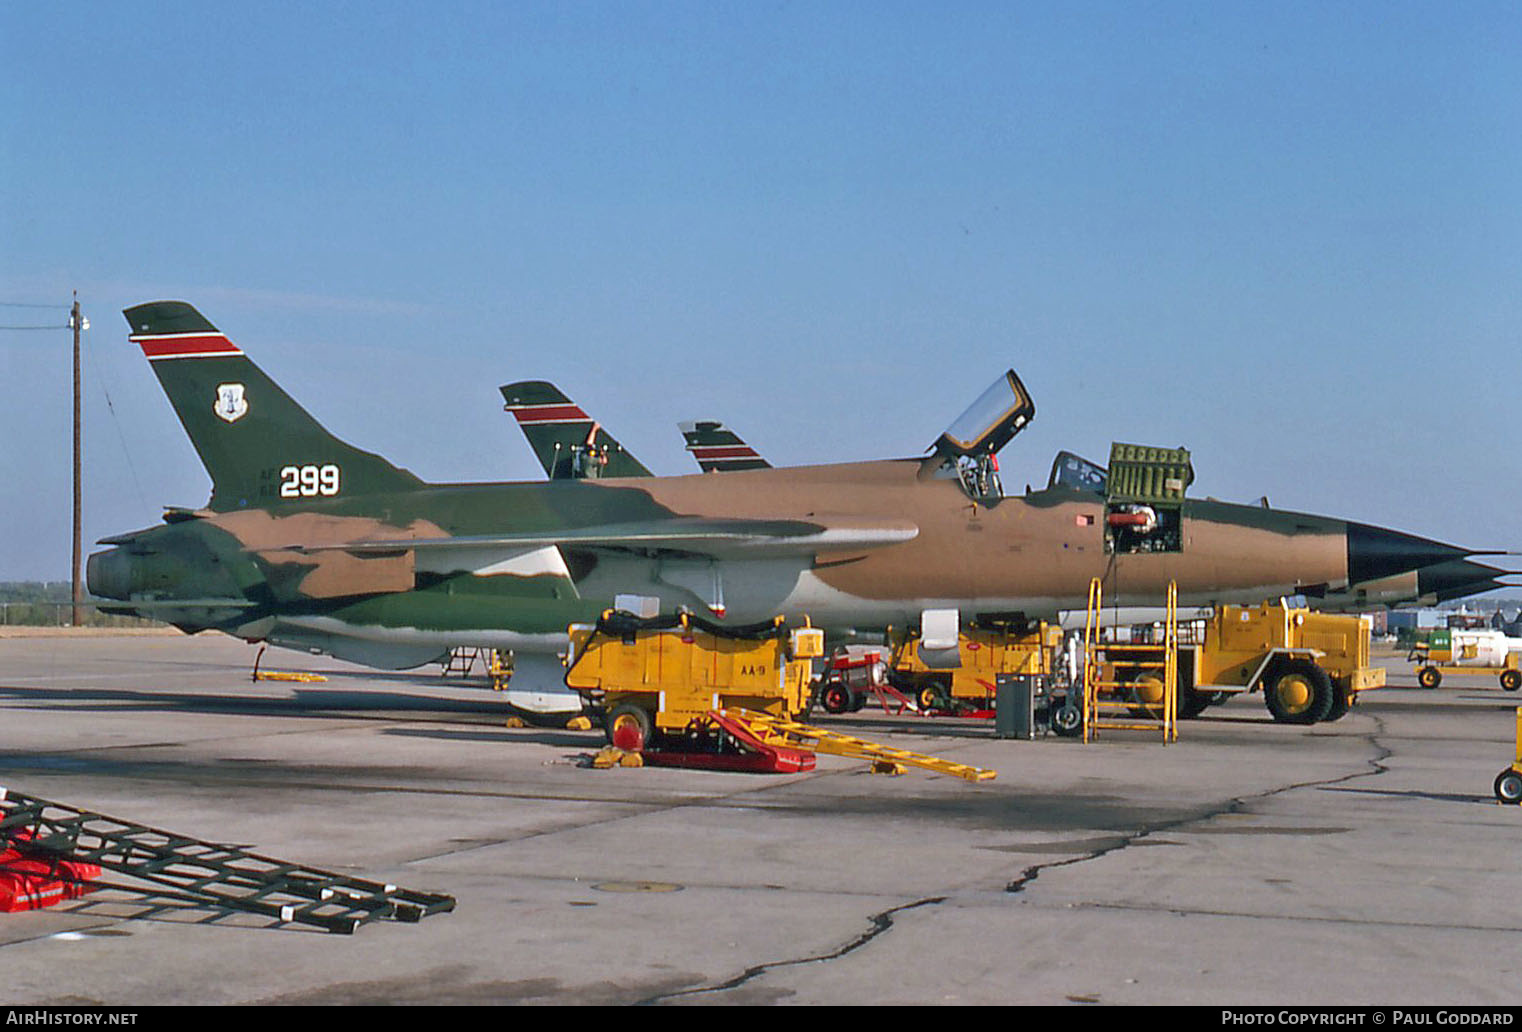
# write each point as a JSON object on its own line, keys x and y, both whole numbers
{"x": 718, "y": 537}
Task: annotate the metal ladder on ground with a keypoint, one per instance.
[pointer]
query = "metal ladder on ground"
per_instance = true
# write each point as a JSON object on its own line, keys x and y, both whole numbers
{"x": 1113, "y": 704}
{"x": 792, "y": 734}
{"x": 208, "y": 872}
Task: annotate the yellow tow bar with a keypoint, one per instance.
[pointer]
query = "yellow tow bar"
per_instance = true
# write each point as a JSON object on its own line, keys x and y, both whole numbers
{"x": 819, "y": 740}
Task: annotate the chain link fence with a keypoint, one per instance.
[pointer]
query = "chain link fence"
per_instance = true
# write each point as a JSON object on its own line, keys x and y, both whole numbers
{"x": 60, "y": 614}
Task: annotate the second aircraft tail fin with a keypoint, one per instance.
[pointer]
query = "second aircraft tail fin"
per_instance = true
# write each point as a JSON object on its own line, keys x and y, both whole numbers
{"x": 568, "y": 443}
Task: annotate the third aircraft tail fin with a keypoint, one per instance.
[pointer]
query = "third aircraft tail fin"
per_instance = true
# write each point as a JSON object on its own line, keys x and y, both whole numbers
{"x": 718, "y": 448}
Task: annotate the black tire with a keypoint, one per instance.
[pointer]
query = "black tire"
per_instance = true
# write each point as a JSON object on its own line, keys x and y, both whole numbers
{"x": 1429, "y": 677}
{"x": 1342, "y": 701}
{"x": 1067, "y": 720}
{"x": 630, "y": 727}
{"x": 1192, "y": 703}
{"x": 835, "y": 697}
{"x": 1509, "y": 786}
{"x": 1298, "y": 692}
{"x": 1511, "y": 680}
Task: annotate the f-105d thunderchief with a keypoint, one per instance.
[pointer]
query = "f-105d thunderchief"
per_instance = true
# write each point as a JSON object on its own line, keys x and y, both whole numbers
{"x": 310, "y": 543}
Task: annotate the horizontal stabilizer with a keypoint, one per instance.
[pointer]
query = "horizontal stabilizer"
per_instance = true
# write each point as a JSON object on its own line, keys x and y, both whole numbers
{"x": 151, "y": 605}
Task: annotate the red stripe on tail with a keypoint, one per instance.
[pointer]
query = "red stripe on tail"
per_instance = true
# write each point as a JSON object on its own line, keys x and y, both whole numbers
{"x": 187, "y": 346}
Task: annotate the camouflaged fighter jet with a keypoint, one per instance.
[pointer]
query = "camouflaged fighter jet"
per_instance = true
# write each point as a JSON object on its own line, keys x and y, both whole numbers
{"x": 310, "y": 543}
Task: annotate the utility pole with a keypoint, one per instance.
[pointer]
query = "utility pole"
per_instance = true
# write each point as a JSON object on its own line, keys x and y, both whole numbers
{"x": 79, "y": 590}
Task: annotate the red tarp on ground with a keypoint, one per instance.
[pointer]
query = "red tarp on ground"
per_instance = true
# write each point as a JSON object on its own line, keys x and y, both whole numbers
{"x": 27, "y": 883}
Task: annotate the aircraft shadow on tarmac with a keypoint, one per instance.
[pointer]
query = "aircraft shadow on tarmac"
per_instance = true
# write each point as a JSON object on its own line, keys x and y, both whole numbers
{"x": 303, "y": 702}
{"x": 539, "y": 735}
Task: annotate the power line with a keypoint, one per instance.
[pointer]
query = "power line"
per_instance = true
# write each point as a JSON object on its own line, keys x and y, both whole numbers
{"x": 62, "y": 326}
{"x": 29, "y": 304}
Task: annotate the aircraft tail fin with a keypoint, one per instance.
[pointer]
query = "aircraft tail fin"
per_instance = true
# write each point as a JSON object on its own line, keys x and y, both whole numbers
{"x": 718, "y": 448}
{"x": 568, "y": 443}
{"x": 260, "y": 447}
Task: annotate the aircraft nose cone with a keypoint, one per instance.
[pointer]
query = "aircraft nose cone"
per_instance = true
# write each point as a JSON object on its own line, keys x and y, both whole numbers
{"x": 1472, "y": 588}
{"x": 1375, "y": 552}
{"x": 1469, "y": 578}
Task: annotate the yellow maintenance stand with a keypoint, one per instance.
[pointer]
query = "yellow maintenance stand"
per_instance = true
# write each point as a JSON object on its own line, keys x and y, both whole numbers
{"x": 648, "y": 679}
{"x": 1128, "y": 685}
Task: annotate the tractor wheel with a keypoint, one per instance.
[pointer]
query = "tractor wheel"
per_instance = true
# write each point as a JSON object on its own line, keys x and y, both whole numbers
{"x": 1067, "y": 719}
{"x": 1509, "y": 786}
{"x": 1342, "y": 701}
{"x": 1429, "y": 677}
{"x": 1192, "y": 703}
{"x": 630, "y": 727}
{"x": 929, "y": 698}
{"x": 1298, "y": 692}
{"x": 1144, "y": 691}
{"x": 835, "y": 697}
{"x": 1511, "y": 680}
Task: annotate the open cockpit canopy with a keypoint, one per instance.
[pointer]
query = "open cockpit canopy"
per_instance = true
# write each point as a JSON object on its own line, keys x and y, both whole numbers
{"x": 966, "y": 448}
{"x": 1000, "y": 412}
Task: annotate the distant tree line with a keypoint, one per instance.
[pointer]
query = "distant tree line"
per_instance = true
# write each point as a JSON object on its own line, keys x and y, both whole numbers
{"x": 49, "y": 604}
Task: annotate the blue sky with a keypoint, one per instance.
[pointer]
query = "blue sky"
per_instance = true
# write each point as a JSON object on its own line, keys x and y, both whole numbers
{"x": 1285, "y": 236}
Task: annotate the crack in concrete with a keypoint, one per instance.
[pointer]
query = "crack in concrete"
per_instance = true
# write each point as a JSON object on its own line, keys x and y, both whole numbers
{"x": 880, "y": 924}
{"x": 883, "y": 922}
{"x": 1376, "y": 763}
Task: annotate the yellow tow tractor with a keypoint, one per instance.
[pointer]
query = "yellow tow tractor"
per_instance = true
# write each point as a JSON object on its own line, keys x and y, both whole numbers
{"x": 652, "y": 681}
{"x": 1310, "y": 666}
{"x": 1467, "y": 651}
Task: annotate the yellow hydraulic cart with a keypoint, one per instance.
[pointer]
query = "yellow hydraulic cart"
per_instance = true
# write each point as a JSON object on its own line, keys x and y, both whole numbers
{"x": 1130, "y": 686}
{"x": 985, "y": 653}
{"x": 655, "y": 679}
{"x": 1465, "y": 652}
{"x": 1509, "y": 781}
